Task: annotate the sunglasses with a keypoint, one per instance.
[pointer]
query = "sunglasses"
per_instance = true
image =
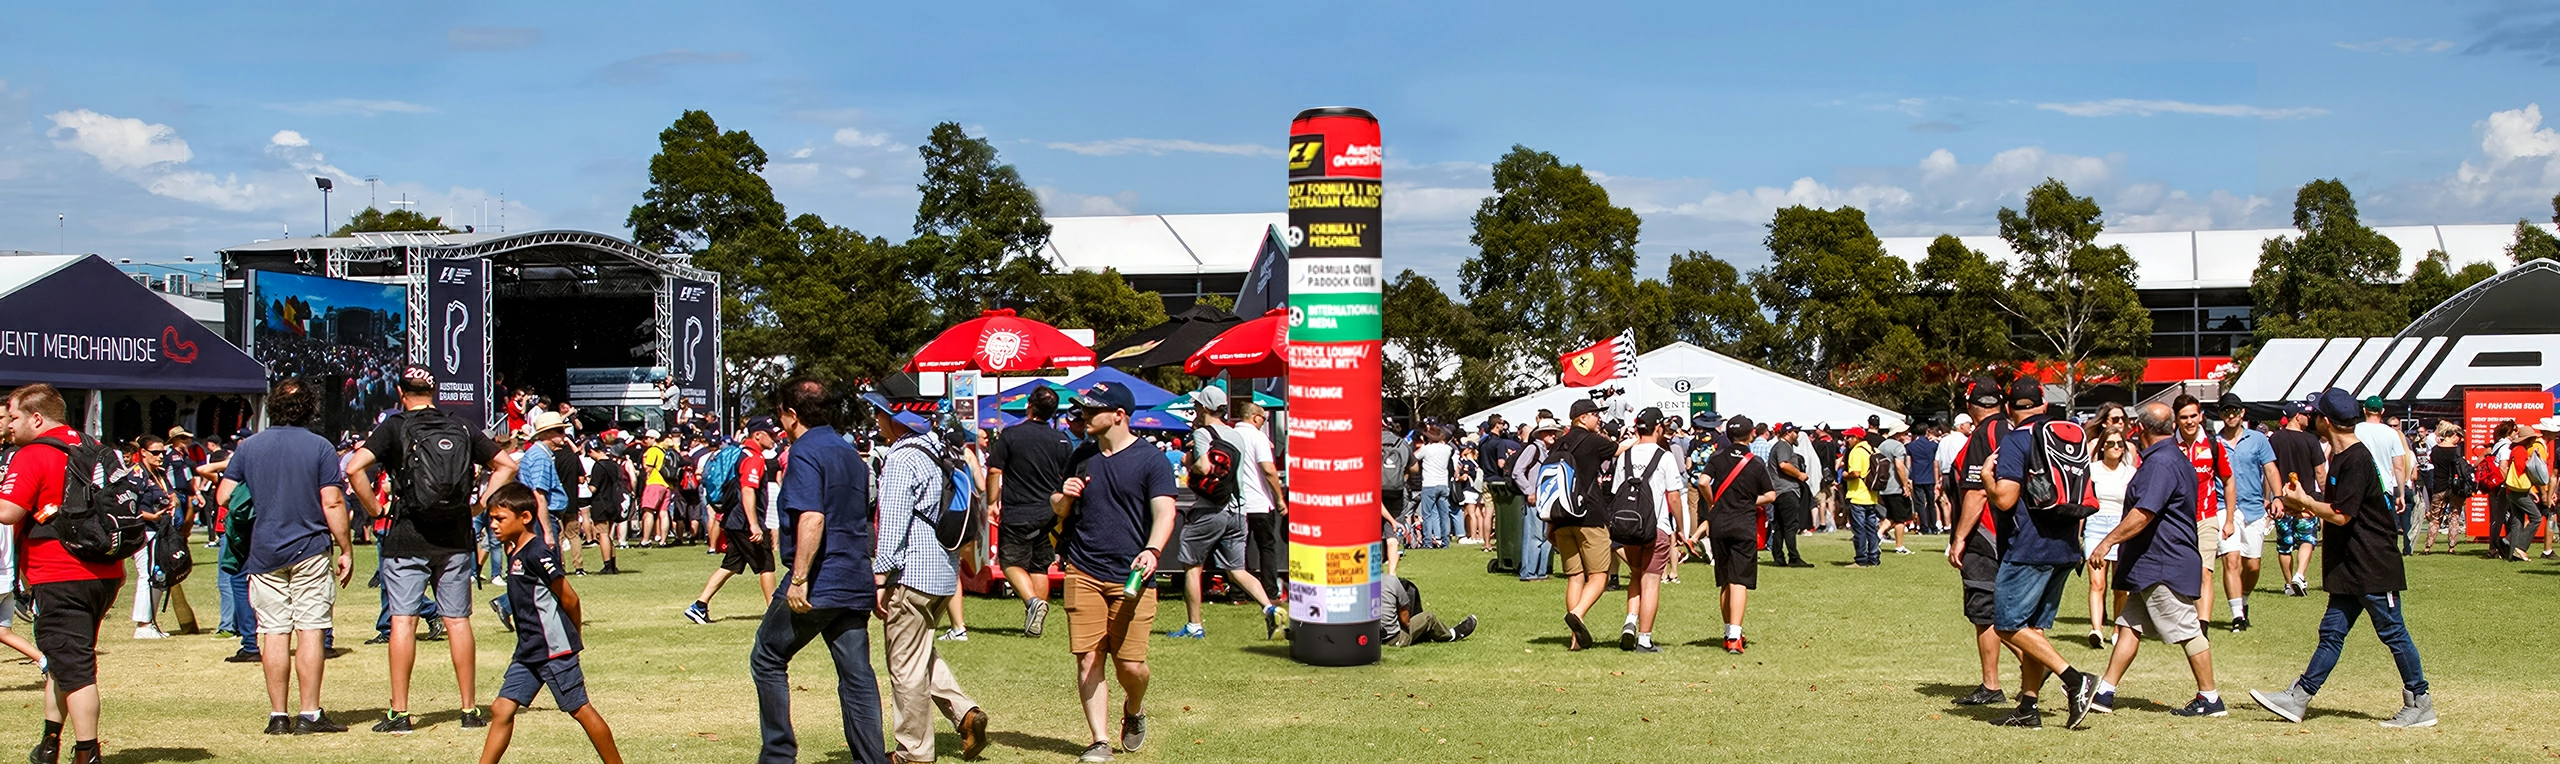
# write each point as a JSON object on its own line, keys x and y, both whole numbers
{"x": 156, "y": 451}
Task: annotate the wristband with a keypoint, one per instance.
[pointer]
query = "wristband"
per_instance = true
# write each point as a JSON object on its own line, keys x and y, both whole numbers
{"x": 1158, "y": 552}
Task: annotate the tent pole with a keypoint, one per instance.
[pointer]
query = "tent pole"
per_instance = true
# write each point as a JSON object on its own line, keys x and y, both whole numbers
{"x": 93, "y": 414}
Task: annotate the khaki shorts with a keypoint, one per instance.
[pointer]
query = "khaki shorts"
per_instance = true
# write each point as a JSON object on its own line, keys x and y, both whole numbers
{"x": 1101, "y": 618}
{"x": 1585, "y": 550}
{"x": 298, "y": 597}
{"x": 2158, "y": 612}
{"x": 2209, "y": 539}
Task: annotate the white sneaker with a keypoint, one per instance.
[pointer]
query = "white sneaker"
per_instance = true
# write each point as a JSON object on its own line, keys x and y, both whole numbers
{"x": 955, "y": 635}
{"x": 148, "y": 632}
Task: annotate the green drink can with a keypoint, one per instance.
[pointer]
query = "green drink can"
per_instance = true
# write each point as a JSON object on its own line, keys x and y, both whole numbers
{"x": 1136, "y": 577}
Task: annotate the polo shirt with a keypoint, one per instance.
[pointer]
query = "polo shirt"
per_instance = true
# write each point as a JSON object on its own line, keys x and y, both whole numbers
{"x": 2030, "y": 537}
{"x": 1924, "y": 461}
{"x": 34, "y": 481}
{"x": 2211, "y": 464}
{"x": 2249, "y": 455}
{"x": 1109, "y": 524}
{"x": 285, "y": 467}
{"x": 826, "y": 476}
{"x": 1782, "y": 453}
{"x": 1977, "y": 449}
{"x": 2165, "y": 552}
{"x": 543, "y": 628}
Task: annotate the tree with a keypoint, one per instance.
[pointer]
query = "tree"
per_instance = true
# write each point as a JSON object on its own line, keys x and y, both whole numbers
{"x": 371, "y": 220}
{"x": 2533, "y": 243}
{"x": 1097, "y": 300}
{"x": 2071, "y": 299}
{"x": 1711, "y": 307}
{"x": 841, "y": 305}
{"x": 1548, "y": 244}
{"x": 2333, "y": 280}
{"x": 1427, "y": 332}
{"x": 705, "y": 186}
{"x": 1954, "y": 307}
{"x": 978, "y": 227}
{"x": 2434, "y": 280}
{"x": 1828, "y": 288}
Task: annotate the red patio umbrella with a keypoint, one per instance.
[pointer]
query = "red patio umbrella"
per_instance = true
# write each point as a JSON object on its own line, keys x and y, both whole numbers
{"x": 1256, "y": 348}
{"x": 997, "y": 342}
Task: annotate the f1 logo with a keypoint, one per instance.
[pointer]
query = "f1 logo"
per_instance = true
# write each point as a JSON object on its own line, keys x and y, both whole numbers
{"x": 453, "y": 275}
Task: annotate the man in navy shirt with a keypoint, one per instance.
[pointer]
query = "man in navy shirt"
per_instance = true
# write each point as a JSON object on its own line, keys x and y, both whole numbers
{"x": 1118, "y": 510}
{"x": 1973, "y": 548}
{"x": 828, "y": 589}
{"x": 302, "y": 515}
{"x": 2037, "y": 553}
{"x": 2159, "y": 565}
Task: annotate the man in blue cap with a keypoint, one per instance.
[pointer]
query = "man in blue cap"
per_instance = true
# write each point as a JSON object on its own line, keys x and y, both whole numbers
{"x": 2038, "y": 551}
{"x": 2360, "y": 568}
{"x": 1118, "y": 510}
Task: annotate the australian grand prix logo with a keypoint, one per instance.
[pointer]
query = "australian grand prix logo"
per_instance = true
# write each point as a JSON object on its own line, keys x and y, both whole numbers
{"x": 457, "y": 317}
{"x": 175, "y": 349}
{"x": 692, "y": 345}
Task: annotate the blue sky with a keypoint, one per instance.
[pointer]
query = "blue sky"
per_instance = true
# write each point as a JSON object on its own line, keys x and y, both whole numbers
{"x": 170, "y": 131}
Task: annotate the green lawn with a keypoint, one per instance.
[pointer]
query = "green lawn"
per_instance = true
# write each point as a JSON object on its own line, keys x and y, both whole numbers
{"x": 1848, "y": 665}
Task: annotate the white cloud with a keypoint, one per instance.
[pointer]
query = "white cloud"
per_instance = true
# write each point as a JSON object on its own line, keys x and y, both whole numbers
{"x": 2117, "y": 107}
{"x": 853, "y": 138}
{"x": 1054, "y": 202}
{"x": 2515, "y": 174}
{"x": 352, "y": 107}
{"x": 1162, "y": 146}
{"x": 2399, "y": 45}
{"x": 289, "y": 139}
{"x": 119, "y": 143}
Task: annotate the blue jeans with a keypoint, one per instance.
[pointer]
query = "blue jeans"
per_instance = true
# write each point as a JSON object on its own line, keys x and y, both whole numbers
{"x": 848, "y": 637}
{"x": 2028, "y": 596}
{"x": 243, "y": 619}
{"x": 1862, "y": 534}
{"x": 1436, "y": 514}
{"x": 2343, "y": 610}
{"x": 1537, "y": 554}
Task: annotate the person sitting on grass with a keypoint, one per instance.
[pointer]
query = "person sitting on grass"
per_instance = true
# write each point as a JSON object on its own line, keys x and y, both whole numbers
{"x": 1408, "y": 623}
{"x": 547, "y": 618}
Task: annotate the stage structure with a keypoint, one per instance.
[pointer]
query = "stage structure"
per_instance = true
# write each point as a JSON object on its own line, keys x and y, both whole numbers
{"x": 494, "y": 311}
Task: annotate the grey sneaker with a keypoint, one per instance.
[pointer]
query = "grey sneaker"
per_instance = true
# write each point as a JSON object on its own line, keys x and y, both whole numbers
{"x": 2290, "y": 704}
{"x": 1035, "y": 618}
{"x": 1098, "y": 752}
{"x": 2415, "y": 711}
{"x": 1133, "y": 732}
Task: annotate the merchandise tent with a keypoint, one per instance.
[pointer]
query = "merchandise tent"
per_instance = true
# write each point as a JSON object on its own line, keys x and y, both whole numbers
{"x": 127, "y": 361}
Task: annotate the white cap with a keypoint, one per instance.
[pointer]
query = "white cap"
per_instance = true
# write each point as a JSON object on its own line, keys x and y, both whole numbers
{"x": 1963, "y": 419}
{"x": 1545, "y": 424}
{"x": 2548, "y": 424}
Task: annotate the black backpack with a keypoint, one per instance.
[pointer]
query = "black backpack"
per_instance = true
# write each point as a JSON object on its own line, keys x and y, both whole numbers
{"x": 434, "y": 479}
{"x": 1215, "y": 481}
{"x": 2057, "y": 481}
{"x": 100, "y": 519}
{"x": 171, "y": 560}
{"x": 1631, "y": 513}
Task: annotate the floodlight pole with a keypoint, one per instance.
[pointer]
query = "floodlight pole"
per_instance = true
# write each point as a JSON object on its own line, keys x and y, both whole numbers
{"x": 325, "y": 188}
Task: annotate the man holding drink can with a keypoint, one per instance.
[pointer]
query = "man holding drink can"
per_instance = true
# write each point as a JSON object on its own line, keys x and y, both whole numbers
{"x": 1117, "y": 510}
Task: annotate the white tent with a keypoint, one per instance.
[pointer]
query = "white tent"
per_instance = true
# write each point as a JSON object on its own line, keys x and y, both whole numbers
{"x": 1668, "y": 376}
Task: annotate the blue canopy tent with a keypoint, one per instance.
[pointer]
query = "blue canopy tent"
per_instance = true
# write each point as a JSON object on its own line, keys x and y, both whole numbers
{"x": 1148, "y": 395}
{"x": 1158, "y": 420}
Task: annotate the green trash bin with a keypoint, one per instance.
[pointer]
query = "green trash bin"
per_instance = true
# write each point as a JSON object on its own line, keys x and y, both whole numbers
{"x": 1506, "y": 531}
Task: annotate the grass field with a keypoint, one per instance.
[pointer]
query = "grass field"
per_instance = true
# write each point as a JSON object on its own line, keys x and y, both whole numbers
{"x": 1848, "y": 665}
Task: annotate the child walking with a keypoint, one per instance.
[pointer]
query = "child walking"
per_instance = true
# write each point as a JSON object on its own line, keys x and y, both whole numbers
{"x": 546, "y": 616}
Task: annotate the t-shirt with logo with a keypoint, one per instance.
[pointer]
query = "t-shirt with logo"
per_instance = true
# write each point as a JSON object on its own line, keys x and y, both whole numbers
{"x": 34, "y": 481}
{"x": 407, "y": 537}
{"x": 543, "y": 628}
{"x": 1987, "y": 437}
{"x": 2211, "y": 466}
{"x": 1666, "y": 477}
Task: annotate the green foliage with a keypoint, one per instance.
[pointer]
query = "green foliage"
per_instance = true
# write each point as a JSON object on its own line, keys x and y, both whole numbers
{"x": 704, "y": 188}
{"x": 2434, "y": 280}
{"x": 2333, "y": 281}
{"x": 1829, "y": 288}
{"x": 2533, "y": 243}
{"x": 1954, "y": 307}
{"x": 1711, "y": 307}
{"x": 978, "y": 226}
{"x": 371, "y": 220}
{"x": 1429, "y": 332}
{"x": 1548, "y": 243}
{"x": 1097, "y": 300}
{"x": 1219, "y": 301}
{"x": 2071, "y": 300}
{"x": 839, "y": 304}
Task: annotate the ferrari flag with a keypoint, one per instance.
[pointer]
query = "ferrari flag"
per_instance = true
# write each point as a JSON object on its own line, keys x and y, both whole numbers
{"x": 1608, "y": 359}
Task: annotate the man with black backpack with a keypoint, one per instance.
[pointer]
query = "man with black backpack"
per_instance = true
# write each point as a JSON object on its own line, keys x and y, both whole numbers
{"x": 735, "y": 484}
{"x": 429, "y": 456}
{"x": 72, "y": 592}
{"x": 1648, "y": 486}
{"x": 917, "y": 576}
{"x": 1213, "y": 533}
{"x": 1579, "y": 530}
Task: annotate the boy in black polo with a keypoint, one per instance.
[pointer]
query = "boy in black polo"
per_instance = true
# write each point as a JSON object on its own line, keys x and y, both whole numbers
{"x": 547, "y": 617}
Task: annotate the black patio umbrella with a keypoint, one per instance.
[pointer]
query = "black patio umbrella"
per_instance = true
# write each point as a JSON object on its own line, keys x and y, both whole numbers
{"x": 1168, "y": 343}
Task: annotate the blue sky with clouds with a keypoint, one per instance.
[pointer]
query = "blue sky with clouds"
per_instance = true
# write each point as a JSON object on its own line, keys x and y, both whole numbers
{"x": 170, "y": 131}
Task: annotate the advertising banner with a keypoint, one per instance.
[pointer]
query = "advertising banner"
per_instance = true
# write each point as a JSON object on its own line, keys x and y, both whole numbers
{"x": 1333, "y": 389}
{"x": 2482, "y": 410}
{"x": 458, "y": 336}
{"x": 693, "y": 342}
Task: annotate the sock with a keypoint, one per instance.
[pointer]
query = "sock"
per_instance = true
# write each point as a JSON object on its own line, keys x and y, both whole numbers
{"x": 85, "y": 745}
{"x": 1631, "y": 621}
{"x": 311, "y": 715}
{"x": 276, "y": 714}
{"x": 1733, "y": 631}
{"x": 2027, "y": 701}
{"x": 2210, "y": 696}
{"x": 53, "y": 732}
{"x": 2105, "y": 687}
{"x": 1645, "y": 639}
{"x": 2239, "y": 607}
{"x": 2070, "y": 675}
{"x": 1194, "y": 626}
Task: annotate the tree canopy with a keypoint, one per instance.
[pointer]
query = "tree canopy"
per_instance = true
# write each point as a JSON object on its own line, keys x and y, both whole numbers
{"x": 372, "y": 220}
{"x": 1548, "y": 244}
{"x": 1829, "y": 288}
{"x": 2072, "y": 301}
{"x": 2332, "y": 281}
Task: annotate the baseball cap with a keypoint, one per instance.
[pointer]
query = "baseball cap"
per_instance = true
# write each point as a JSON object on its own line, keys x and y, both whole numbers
{"x": 243, "y": 434}
{"x": 1211, "y": 398}
{"x": 1855, "y": 433}
{"x": 906, "y": 419}
{"x": 1649, "y": 417}
{"x": 2231, "y": 402}
{"x": 2297, "y": 408}
{"x": 1106, "y": 395}
{"x": 1738, "y": 428}
{"x": 2338, "y": 405}
{"x": 1982, "y": 393}
{"x": 2373, "y": 403}
{"x": 418, "y": 378}
{"x": 2026, "y": 392}
{"x": 764, "y": 424}
{"x": 1583, "y": 406}
{"x": 1963, "y": 419}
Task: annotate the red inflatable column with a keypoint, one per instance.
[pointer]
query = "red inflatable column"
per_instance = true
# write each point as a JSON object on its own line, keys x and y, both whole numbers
{"x": 1334, "y": 341}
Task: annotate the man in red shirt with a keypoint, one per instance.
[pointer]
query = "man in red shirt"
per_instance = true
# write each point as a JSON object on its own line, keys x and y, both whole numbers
{"x": 2213, "y": 487}
{"x": 71, "y": 596}
{"x": 744, "y": 544}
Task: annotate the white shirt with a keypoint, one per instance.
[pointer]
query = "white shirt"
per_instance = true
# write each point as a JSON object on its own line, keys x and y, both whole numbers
{"x": 587, "y": 466}
{"x": 1434, "y": 458}
{"x": 1251, "y": 489}
{"x": 1948, "y": 447}
{"x": 1666, "y": 478}
{"x": 2387, "y": 448}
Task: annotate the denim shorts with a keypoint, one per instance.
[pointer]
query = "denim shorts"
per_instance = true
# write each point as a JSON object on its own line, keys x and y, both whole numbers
{"x": 568, "y": 684}
{"x": 2028, "y": 596}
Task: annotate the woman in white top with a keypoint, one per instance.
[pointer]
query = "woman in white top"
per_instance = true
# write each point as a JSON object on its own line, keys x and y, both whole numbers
{"x": 2109, "y": 476}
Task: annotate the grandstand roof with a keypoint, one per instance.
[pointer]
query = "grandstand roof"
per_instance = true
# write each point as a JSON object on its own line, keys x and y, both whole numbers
{"x": 2225, "y": 259}
{"x": 1149, "y": 245}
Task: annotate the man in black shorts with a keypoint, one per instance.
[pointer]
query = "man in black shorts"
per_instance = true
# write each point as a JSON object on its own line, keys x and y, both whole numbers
{"x": 1025, "y": 465}
{"x": 1974, "y": 549}
{"x": 744, "y": 544}
{"x": 1736, "y": 486}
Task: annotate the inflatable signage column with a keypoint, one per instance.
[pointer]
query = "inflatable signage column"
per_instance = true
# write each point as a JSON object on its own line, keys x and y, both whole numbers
{"x": 1334, "y": 340}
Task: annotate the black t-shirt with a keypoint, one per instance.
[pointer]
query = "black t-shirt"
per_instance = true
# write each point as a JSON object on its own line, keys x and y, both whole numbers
{"x": 1034, "y": 458}
{"x": 1585, "y": 451}
{"x": 2298, "y": 457}
{"x": 606, "y": 476}
{"x": 2362, "y": 556}
{"x": 1826, "y": 452}
{"x": 408, "y": 537}
{"x": 564, "y": 461}
{"x": 1735, "y": 513}
{"x": 1977, "y": 451}
{"x": 2446, "y": 465}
